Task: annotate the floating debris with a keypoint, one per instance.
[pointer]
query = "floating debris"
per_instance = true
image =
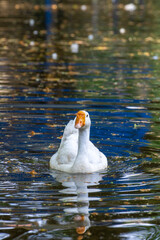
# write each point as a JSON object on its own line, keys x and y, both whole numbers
{"x": 35, "y": 32}
{"x": 155, "y": 57}
{"x": 83, "y": 7}
{"x": 54, "y": 56}
{"x": 90, "y": 36}
{"x": 130, "y": 7}
{"x": 32, "y": 43}
{"x": 74, "y": 48}
{"x": 31, "y": 22}
{"x": 122, "y": 30}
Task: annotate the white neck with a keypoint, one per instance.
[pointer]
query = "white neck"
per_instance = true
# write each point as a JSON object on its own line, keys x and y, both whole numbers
{"x": 81, "y": 161}
{"x": 83, "y": 140}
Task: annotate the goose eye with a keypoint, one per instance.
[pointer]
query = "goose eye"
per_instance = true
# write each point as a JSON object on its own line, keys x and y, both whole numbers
{"x": 87, "y": 115}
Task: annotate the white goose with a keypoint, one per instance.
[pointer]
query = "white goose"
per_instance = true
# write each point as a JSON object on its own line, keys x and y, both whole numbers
{"x": 77, "y": 154}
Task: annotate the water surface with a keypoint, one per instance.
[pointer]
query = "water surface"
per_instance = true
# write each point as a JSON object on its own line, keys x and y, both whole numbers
{"x": 51, "y": 67}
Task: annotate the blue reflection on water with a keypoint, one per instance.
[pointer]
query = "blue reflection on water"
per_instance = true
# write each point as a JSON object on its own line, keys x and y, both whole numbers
{"x": 117, "y": 129}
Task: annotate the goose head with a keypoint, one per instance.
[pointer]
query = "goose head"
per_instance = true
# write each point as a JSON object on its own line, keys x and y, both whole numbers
{"x": 82, "y": 120}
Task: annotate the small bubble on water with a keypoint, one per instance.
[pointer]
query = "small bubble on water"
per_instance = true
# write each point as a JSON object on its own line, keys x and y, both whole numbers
{"x": 31, "y": 22}
{"x": 74, "y": 48}
{"x": 122, "y": 30}
{"x": 35, "y": 32}
{"x": 83, "y": 7}
{"x": 155, "y": 57}
{"x": 131, "y": 7}
{"x": 32, "y": 43}
{"x": 90, "y": 37}
{"x": 54, "y": 56}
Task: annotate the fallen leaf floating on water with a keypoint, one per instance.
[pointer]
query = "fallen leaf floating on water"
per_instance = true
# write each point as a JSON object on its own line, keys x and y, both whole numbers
{"x": 101, "y": 48}
{"x": 33, "y": 133}
{"x": 157, "y": 197}
{"x": 52, "y": 125}
{"x": 33, "y": 172}
{"x": 94, "y": 213}
{"x": 6, "y": 210}
{"x": 60, "y": 137}
{"x": 117, "y": 208}
{"x": 43, "y": 230}
{"x": 47, "y": 90}
{"x": 106, "y": 214}
{"x": 145, "y": 190}
{"x": 54, "y": 6}
{"x": 16, "y": 170}
{"x": 51, "y": 146}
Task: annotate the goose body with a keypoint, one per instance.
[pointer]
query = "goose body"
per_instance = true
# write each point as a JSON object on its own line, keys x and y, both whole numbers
{"x": 77, "y": 154}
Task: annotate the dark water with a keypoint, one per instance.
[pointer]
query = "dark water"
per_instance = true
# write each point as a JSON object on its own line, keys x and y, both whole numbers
{"x": 55, "y": 59}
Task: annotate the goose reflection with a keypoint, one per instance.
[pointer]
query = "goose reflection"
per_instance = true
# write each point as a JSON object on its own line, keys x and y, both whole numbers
{"x": 78, "y": 187}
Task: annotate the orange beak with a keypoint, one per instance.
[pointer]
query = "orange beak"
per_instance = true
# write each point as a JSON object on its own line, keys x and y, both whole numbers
{"x": 80, "y": 119}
